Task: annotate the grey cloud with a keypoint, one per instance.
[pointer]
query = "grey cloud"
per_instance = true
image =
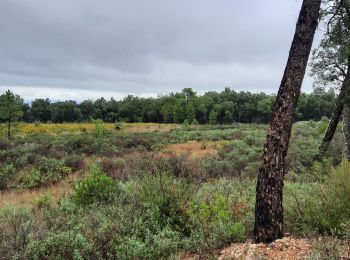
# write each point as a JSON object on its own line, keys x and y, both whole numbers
{"x": 148, "y": 46}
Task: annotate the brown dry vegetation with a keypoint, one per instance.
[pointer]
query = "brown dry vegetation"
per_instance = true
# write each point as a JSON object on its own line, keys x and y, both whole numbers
{"x": 26, "y": 197}
{"x": 148, "y": 127}
{"x": 194, "y": 149}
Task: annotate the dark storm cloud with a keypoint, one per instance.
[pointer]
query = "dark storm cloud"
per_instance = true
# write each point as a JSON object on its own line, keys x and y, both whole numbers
{"x": 141, "y": 47}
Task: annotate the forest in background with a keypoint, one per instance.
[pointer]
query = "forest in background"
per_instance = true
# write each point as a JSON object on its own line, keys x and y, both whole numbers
{"x": 223, "y": 107}
{"x": 186, "y": 189}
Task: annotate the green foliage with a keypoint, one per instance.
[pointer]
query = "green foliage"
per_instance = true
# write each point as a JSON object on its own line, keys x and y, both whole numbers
{"x": 10, "y": 109}
{"x": 179, "y": 111}
{"x": 61, "y": 245}
{"x": 157, "y": 246}
{"x": 16, "y": 227}
{"x": 213, "y": 115}
{"x": 75, "y": 162}
{"x": 44, "y": 201}
{"x": 191, "y": 112}
{"x": 40, "y": 109}
{"x": 320, "y": 208}
{"x": 48, "y": 170}
{"x": 100, "y": 130}
{"x": 227, "y": 107}
{"x": 221, "y": 213}
{"x": 6, "y": 172}
{"x": 244, "y": 158}
{"x": 144, "y": 201}
{"x": 216, "y": 213}
{"x": 166, "y": 196}
{"x": 194, "y": 122}
{"x": 10, "y": 106}
{"x": 186, "y": 125}
{"x": 96, "y": 188}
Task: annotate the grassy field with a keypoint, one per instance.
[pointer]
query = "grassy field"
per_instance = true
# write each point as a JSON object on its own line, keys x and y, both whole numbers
{"x": 148, "y": 191}
{"x": 23, "y": 129}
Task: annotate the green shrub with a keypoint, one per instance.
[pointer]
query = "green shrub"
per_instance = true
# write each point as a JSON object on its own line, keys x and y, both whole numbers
{"x": 44, "y": 201}
{"x": 165, "y": 196}
{"x": 61, "y": 245}
{"x": 214, "y": 218}
{"x": 100, "y": 130}
{"x": 86, "y": 144}
{"x": 16, "y": 227}
{"x": 321, "y": 208}
{"x": 160, "y": 245}
{"x": 75, "y": 162}
{"x": 102, "y": 230}
{"x": 6, "y": 172}
{"x": 114, "y": 168}
{"x": 96, "y": 188}
{"x": 48, "y": 170}
{"x": 221, "y": 213}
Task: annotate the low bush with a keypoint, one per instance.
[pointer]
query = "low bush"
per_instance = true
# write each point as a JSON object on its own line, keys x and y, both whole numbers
{"x": 221, "y": 213}
{"x": 114, "y": 168}
{"x": 16, "y": 228}
{"x": 319, "y": 207}
{"x": 97, "y": 188}
{"x": 75, "y": 162}
{"x": 60, "y": 245}
{"x": 46, "y": 171}
{"x": 6, "y": 172}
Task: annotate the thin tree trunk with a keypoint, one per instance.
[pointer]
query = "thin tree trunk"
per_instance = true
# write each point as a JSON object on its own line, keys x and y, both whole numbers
{"x": 268, "y": 209}
{"x": 346, "y": 131}
{"x": 335, "y": 117}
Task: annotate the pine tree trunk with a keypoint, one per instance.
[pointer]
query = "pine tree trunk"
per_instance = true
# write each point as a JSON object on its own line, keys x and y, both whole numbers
{"x": 346, "y": 131}
{"x": 335, "y": 117}
{"x": 268, "y": 209}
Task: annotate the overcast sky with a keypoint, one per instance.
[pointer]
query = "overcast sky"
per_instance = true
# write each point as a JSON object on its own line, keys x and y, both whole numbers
{"x": 78, "y": 49}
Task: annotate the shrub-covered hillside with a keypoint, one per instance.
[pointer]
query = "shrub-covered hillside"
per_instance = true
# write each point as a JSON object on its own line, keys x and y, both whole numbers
{"x": 147, "y": 191}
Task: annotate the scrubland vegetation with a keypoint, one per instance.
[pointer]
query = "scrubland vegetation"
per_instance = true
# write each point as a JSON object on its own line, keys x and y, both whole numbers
{"x": 148, "y": 191}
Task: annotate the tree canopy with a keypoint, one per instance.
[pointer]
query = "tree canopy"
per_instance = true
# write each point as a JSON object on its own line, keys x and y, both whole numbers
{"x": 223, "y": 107}
{"x": 10, "y": 109}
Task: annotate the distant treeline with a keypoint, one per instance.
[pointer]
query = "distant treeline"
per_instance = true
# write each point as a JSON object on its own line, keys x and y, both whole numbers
{"x": 225, "y": 107}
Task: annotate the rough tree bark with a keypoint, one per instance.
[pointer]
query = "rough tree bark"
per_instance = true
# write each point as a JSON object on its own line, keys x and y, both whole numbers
{"x": 268, "y": 209}
{"x": 335, "y": 117}
{"x": 346, "y": 130}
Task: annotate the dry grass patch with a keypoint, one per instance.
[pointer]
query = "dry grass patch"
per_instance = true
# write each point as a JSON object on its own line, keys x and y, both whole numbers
{"x": 194, "y": 149}
{"x": 147, "y": 127}
{"x": 26, "y": 197}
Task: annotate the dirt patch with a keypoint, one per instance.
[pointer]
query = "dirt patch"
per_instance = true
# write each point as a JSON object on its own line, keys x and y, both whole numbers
{"x": 281, "y": 249}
